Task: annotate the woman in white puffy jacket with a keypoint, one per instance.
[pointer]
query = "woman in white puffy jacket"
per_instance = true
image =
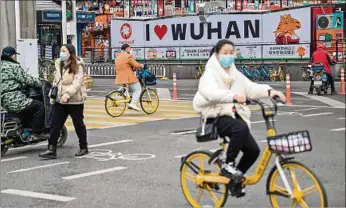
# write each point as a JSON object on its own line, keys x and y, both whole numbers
{"x": 219, "y": 86}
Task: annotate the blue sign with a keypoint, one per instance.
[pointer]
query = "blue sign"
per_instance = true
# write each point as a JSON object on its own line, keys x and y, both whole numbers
{"x": 51, "y": 16}
{"x": 56, "y": 16}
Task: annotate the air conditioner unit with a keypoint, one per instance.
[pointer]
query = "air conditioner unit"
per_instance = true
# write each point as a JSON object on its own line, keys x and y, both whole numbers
{"x": 324, "y": 22}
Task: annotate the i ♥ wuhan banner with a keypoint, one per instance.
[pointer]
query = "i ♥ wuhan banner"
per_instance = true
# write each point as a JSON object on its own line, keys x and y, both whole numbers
{"x": 276, "y": 35}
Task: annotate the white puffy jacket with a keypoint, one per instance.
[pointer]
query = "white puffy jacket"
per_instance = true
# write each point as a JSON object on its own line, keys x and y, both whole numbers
{"x": 216, "y": 90}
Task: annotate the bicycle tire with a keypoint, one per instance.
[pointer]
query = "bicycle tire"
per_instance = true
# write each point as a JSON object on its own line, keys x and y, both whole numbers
{"x": 120, "y": 94}
{"x": 142, "y": 101}
{"x": 183, "y": 177}
{"x": 271, "y": 187}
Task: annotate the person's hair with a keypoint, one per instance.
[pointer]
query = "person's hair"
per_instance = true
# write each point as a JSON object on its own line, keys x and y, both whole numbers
{"x": 123, "y": 47}
{"x": 219, "y": 45}
{"x": 72, "y": 62}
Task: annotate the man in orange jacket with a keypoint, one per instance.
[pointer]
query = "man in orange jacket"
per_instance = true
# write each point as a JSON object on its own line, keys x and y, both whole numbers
{"x": 321, "y": 56}
{"x": 124, "y": 65}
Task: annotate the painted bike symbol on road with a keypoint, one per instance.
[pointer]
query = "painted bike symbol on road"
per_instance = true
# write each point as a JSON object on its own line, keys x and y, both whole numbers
{"x": 102, "y": 155}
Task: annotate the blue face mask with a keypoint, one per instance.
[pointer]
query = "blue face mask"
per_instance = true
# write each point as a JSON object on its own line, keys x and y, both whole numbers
{"x": 63, "y": 56}
{"x": 226, "y": 60}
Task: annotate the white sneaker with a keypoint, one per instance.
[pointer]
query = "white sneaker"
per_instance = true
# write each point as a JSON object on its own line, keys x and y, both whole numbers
{"x": 232, "y": 172}
{"x": 134, "y": 107}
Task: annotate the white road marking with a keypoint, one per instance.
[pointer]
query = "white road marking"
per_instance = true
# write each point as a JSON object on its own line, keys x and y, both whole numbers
{"x": 109, "y": 143}
{"x": 340, "y": 129}
{"x": 184, "y": 132}
{"x": 263, "y": 141}
{"x": 38, "y": 167}
{"x": 317, "y": 114}
{"x": 323, "y": 99}
{"x": 342, "y": 118}
{"x": 37, "y": 195}
{"x": 93, "y": 173}
{"x": 29, "y": 146}
{"x": 308, "y": 109}
{"x": 13, "y": 158}
{"x": 180, "y": 156}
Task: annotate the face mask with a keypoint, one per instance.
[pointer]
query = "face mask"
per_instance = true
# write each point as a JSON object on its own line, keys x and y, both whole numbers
{"x": 63, "y": 56}
{"x": 226, "y": 60}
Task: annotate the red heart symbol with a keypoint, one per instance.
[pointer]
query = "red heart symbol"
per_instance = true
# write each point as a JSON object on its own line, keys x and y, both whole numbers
{"x": 160, "y": 31}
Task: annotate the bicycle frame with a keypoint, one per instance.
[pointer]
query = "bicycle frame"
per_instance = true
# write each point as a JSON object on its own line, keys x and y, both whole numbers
{"x": 262, "y": 165}
{"x": 126, "y": 93}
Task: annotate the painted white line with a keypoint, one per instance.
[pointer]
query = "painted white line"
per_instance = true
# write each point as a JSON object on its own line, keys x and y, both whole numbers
{"x": 308, "y": 109}
{"x": 109, "y": 143}
{"x": 180, "y": 156}
{"x": 13, "y": 158}
{"x": 323, "y": 99}
{"x": 37, "y": 195}
{"x": 340, "y": 129}
{"x": 93, "y": 173}
{"x": 317, "y": 114}
{"x": 124, "y": 117}
{"x": 256, "y": 122}
{"x": 263, "y": 141}
{"x": 29, "y": 146}
{"x": 185, "y": 132}
{"x": 341, "y": 118}
{"x": 37, "y": 167}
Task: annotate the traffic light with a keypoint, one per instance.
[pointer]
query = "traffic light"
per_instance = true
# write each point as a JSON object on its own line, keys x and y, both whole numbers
{"x": 69, "y": 10}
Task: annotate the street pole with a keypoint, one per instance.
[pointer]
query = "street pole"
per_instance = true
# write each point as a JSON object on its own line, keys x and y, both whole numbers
{"x": 17, "y": 11}
{"x": 74, "y": 24}
{"x": 64, "y": 23}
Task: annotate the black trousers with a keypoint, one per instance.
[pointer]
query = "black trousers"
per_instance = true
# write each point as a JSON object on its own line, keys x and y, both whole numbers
{"x": 34, "y": 116}
{"x": 331, "y": 82}
{"x": 59, "y": 116}
{"x": 240, "y": 140}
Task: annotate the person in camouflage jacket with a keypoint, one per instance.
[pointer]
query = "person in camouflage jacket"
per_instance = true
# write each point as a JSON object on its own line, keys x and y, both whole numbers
{"x": 14, "y": 81}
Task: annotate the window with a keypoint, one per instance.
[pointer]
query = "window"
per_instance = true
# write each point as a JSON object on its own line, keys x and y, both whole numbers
{"x": 143, "y": 8}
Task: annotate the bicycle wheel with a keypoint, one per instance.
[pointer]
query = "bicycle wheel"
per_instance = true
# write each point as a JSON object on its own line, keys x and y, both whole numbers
{"x": 272, "y": 76}
{"x": 281, "y": 76}
{"x": 190, "y": 164}
{"x": 256, "y": 75}
{"x": 113, "y": 108}
{"x": 300, "y": 193}
{"x": 149, "y": 101}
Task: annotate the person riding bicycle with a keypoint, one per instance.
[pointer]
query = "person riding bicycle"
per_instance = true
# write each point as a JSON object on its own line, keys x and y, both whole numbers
{"x": 15, "y": 81}
{"x": 124, "y": 65}
{"x": 220, "y": 85}
{"x": 322, "y": 56}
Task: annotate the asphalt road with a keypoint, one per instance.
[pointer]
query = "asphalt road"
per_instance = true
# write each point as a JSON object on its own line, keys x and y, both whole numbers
{"x": 128, "y": 181}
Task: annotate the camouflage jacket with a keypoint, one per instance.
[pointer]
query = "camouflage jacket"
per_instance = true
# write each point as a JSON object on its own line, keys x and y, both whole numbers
{"x": 14, "y": 82}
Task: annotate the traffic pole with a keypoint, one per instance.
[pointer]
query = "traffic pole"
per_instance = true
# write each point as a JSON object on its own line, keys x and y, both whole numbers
{"x": 342, "y": 84}
{"x": 175, "y": 93}
{"x": 288, "y": 89}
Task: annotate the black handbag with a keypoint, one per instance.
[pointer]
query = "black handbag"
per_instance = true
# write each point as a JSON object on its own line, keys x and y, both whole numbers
{"x": 207, "y": 131}
{"x": 53, "y": 93}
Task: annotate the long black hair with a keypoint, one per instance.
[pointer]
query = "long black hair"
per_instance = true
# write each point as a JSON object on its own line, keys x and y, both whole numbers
{"x": 219, "y": 45}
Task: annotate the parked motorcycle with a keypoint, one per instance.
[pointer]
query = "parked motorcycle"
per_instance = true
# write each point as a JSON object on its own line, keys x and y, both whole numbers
{"x": 320, "y": 78}
{"x": 16, "y": 130}
{"x": 307, "y": 73}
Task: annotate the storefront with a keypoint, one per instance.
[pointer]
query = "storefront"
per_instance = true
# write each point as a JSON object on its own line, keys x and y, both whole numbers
{"x": 49, "y": 31}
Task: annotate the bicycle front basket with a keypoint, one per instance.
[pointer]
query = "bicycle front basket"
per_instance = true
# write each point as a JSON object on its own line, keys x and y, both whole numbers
{"x": 290, "y": 143}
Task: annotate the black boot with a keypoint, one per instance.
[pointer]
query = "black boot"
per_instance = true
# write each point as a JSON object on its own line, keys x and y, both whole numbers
{"x": 50, "y": 153}
{"x": 81, "y": 152}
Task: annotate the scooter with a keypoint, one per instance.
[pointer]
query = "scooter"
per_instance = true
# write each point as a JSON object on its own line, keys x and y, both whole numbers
{"x": 320, "y": 78}
{"x": 15, "y": 129}
{"x": 307, "y": 73}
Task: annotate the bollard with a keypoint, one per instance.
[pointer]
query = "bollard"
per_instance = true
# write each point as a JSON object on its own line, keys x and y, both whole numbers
{"x": 342, "y": 83}
{"x": 175, "y": 93}
{"x": 45, "y": 76}
{"x": 288, "y": 89}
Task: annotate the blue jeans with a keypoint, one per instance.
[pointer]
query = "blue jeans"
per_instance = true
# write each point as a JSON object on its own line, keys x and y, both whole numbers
{"x": 136, "y": 92}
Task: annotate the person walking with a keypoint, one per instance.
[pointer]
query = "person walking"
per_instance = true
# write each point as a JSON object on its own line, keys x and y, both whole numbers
{"x": 69, "y": 80}
{"x": 124, "y": 65}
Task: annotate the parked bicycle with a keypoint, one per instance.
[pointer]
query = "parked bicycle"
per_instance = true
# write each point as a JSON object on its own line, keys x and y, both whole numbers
{"x": 250, "y": 72}
{"x": 277, "y": 73}
{"x": 205, "y": 168}
{"x": 199, "y": 71}
{"x": 264, "y": 74}
{"x": 116, "y": 101}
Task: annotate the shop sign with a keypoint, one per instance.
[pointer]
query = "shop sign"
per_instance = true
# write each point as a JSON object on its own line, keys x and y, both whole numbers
{"x": 248, "y": 52}
{"x": 85, "y": 17}
{"x": 137, "y": 53}
{"x": 194, "y": 53}
{"x": 298, "y": 51}
{"x": 51, "y": 16}
{"x": 171, "y": 53}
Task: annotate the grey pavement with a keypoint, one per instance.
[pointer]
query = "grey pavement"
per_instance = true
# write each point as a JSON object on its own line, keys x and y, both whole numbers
{"x": 130, "y": 181}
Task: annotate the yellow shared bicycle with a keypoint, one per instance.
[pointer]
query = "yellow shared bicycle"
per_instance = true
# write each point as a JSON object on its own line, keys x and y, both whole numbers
{"x": 285, "y": 186}
{"x": 116, "y": 101}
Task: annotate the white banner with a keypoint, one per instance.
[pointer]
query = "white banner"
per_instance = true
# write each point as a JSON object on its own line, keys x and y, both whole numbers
{"x": 248, "y": 52}
{"x": 286, "y": 51}
{"x": 127, "y": 31}
{"x": 287, "y": 27}
{"x": 194, "y": 53}
{"x": 137, "y": 53}
{"x": 162, "y": 53}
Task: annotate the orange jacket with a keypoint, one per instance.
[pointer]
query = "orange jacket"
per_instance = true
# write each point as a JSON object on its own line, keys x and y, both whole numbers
{"x": 124, "y": 65}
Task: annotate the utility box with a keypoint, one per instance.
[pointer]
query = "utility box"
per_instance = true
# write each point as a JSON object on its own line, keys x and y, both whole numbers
{"x": 28, "y": 58}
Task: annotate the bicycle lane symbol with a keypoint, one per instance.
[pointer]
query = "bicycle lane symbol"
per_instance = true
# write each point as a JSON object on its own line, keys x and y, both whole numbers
{"x": 103, "y": 155}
